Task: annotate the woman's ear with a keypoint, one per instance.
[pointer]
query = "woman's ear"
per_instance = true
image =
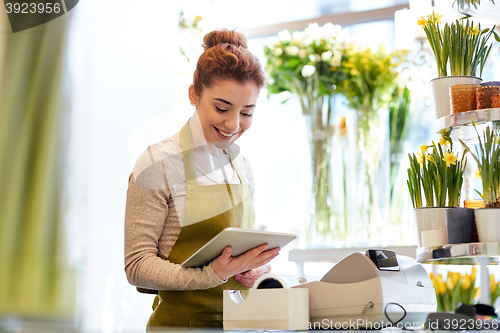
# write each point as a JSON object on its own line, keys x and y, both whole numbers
{"x": 193, "y": 96}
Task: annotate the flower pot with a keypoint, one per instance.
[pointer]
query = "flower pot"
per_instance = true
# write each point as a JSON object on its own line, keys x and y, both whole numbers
{"x": 431, "y": 218}
{"x": 440, "y": 91}
{"x": 460, "y": 225}
{"x": 488, "y": 224}
{"x": 490, "y": 83}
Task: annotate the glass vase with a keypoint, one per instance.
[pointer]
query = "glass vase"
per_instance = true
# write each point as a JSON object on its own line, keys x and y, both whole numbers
{"x": 368, "y": 179}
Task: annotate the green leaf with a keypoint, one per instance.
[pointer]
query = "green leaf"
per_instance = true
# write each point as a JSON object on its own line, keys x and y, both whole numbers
{"x": 497, "y": 38}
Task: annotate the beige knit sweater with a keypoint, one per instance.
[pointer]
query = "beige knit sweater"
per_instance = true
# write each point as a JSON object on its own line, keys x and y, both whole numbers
{"x": 154, "y": 214}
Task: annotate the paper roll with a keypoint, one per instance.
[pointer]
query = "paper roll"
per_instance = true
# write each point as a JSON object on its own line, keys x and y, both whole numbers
{"x": 434, "y": 237}
{"x": 270, "y": 281}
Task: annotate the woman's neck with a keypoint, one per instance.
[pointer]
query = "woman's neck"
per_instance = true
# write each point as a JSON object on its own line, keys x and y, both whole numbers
{"x": 206, "y": 155}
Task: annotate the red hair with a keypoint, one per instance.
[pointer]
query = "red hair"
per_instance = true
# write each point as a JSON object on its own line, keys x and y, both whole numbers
{"x": 226, "y": 58}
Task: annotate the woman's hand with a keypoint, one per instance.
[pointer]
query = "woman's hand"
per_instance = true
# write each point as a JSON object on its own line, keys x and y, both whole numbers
{"x": 248, "y": 278}
{"x": 226, "y": 266}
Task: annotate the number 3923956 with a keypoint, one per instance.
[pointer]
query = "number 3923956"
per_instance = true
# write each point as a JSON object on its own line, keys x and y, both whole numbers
{"x": 26, "y": 8}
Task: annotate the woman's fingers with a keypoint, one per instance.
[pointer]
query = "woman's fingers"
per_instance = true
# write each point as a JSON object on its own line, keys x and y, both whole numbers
{"x": 226, "y": 266}
{"x": 249, "y": 278}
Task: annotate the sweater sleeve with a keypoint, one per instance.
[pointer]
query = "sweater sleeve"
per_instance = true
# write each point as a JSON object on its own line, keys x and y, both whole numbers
{"x": 150, "y": 217}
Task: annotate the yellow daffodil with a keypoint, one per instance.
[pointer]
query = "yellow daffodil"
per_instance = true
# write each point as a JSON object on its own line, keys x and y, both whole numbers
{"x": 424, "y": 147}
{"x": 429, "y": 157}
{"x": 444, "y": 140}
{"x": 449, "y": 158}
{"x": 478, "y": 174}
{"x": 475, "y": 30}
{"x": 437, "y": 18}
{"x": 422, "y": 22}
{"x": 420, "y": 157}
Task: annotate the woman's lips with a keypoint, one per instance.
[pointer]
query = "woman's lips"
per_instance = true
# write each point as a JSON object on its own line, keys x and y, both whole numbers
{"x": 224, "y": 135}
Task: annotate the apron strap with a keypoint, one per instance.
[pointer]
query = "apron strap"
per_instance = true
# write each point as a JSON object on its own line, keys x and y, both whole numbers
{"x": 187, "y": 154}
{"x": 236, "y": 166}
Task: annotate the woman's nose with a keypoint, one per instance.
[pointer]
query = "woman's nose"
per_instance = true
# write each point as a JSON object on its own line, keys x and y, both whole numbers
{"x": 233, "y": 122}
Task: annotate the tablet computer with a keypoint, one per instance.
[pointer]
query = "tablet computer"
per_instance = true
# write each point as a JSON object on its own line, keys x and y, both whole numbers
{"x": 241, "y": 240}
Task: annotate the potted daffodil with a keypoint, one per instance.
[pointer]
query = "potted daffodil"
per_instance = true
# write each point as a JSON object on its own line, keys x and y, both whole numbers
{"x": 461, "y": 50}
{"x": 435, "y": 178}
{"x": 487, "y": 157}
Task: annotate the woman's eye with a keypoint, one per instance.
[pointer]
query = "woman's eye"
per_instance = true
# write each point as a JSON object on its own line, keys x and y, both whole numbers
{"x": 246, "y": 114}
{"x": 220, "y": 110}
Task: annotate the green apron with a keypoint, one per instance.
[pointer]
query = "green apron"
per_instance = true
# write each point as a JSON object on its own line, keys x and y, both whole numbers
{"x": 234, "y": 208}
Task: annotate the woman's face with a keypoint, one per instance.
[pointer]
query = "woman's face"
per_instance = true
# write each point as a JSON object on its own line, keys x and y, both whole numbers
{"x": 225, "y": 110}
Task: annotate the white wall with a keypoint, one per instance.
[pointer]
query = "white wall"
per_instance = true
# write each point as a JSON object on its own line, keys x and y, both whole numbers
{"x": 122, "y": 74}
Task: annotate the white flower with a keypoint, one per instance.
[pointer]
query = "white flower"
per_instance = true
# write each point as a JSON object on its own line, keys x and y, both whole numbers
{"x": 297, "y": 35}
{"x": 302, "y": 53}
{"x": 284, "y": 36}
{"x": 278, "y": 51}
{"x": 292, "y": 50}
{"x": 313, "y": 30}
{"x": 327, "y": 55}
{"x": 336, "y": 59}
{"x": 331, "y": 29}
{"x": 308, "y": 70}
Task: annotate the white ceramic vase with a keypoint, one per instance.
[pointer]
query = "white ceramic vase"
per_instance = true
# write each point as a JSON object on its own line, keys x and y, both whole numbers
{"x": 431, "y": 221}
{"x": 440, "y": 89}
{"x": 488, "y": 224}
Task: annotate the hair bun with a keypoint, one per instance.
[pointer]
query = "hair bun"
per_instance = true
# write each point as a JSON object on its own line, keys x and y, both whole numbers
{"x": 224, "y": 36}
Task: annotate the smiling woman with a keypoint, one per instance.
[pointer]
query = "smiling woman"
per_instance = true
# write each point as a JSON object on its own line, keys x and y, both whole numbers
{"x": 187, "y": 188}
{"x": 225, "y": 110}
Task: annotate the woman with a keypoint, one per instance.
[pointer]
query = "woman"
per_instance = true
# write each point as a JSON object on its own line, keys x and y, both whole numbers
{"x": 187, "y": 188}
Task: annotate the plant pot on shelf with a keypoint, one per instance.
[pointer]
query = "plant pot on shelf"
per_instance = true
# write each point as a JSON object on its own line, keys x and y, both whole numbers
{"x": 440, "y": 88}
{"x": 460, "y": 225}
{"x": 431, "y": 224}
{"x": 488, "y": 224}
